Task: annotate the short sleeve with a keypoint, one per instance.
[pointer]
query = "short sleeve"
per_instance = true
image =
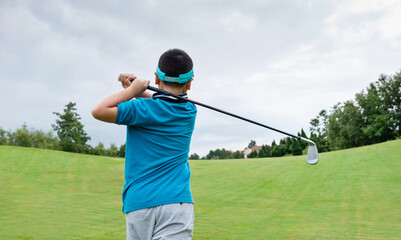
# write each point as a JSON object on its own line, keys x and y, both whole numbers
{"x": 131, "y": 113}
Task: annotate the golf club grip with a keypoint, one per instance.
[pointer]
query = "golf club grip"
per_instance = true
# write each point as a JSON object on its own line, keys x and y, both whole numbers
{"x": 221, "y": 111}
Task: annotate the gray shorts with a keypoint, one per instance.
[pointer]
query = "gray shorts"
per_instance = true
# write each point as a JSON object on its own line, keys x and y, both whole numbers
{"x": 170, "y": 221}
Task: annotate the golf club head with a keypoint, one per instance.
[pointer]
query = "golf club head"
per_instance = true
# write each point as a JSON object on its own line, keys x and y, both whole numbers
{"x": 312, "y": 156}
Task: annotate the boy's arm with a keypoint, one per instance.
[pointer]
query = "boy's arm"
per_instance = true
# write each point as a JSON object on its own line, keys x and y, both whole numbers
{"x": 107, "y": 109}
{"x": 127, "y": 78}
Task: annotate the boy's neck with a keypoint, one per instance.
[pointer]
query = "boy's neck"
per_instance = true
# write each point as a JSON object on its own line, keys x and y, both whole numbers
{"x": 176, "y": 91}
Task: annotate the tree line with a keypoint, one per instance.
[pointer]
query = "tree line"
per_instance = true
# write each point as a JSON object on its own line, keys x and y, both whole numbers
{"x": 71, "y": 136}
{"x": 286, "y": 146}
{"x": 373, "y": 116}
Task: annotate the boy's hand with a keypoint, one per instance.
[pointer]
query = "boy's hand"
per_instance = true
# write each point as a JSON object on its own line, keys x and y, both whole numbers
{"x": 139, "y": 86}
{"x": 126, "y": 79}
{"x": 107, "y": 109}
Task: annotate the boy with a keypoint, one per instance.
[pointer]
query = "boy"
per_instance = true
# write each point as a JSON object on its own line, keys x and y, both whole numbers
{"x": 157, "y": 198}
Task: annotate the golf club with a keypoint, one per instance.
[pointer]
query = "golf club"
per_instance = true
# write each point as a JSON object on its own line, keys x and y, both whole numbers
{"x": 312, "y": 154}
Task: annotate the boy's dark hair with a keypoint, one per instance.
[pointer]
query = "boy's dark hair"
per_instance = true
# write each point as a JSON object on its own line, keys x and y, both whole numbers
{"x": 175, "y": 62}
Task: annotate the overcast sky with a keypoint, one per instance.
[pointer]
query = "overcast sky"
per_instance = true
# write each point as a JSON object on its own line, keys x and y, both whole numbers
{"x": 276, "y": 62}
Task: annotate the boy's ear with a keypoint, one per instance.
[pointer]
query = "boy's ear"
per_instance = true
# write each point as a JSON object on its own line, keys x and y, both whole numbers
{"x": 157, "y": 79}
{"x": 188, "y": 84}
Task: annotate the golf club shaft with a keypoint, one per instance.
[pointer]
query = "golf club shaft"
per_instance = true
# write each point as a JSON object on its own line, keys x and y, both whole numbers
{"x": 224, "y": 112}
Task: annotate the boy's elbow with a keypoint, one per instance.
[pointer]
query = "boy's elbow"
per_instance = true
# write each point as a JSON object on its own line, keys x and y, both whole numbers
{"x": 105, "y": 114}
{"x": 96, "y": 113}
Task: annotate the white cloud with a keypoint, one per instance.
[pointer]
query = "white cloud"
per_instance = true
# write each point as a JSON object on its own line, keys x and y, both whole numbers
{"x": 278, "y": 63}
{"x": 237, "y": 21}
{"x": 356, "y": 21}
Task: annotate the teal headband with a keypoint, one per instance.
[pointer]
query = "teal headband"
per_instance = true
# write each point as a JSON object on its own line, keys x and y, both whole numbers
{"x": 183, "y": 78}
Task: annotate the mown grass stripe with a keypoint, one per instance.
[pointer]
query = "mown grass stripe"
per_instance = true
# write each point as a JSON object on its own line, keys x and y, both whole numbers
{"x": 350, "y": 194}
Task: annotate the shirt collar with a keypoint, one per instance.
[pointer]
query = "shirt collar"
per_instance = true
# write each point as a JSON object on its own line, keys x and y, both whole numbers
{"x": 170, "y": 98}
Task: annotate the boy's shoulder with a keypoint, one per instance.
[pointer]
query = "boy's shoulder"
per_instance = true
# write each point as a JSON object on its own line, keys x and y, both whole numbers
{"x": 145, "y": 111}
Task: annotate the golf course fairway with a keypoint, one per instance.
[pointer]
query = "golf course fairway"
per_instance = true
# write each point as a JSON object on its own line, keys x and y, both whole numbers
{"x": 349, "y": 194}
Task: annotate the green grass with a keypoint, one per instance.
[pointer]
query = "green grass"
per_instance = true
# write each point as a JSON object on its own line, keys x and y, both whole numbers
{"x": 57, "y": 195}
{"x": 350, "y": 194}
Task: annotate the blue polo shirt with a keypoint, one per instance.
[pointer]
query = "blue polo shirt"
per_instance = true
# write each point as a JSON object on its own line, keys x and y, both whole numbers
{"x": 159, "y": 131}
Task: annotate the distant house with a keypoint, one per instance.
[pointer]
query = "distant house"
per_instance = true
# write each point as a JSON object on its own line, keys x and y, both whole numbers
{"x": 247, "y": 151}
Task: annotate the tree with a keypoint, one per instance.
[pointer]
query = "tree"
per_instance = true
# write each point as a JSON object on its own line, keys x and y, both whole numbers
{"x": 381, "y": 109}
{"x": 113, "y": 150}
{"x": 70, "y": 130}
{"x": 238, "y": 154}
{"x": 288, "y": 144}
{"x": 276, "y": 151}
{"x": 315, "y": 126}
{"x": 121, "y": 151}
{"x": 322, "y": 143}
{"x": 395, "y": 92}
{"x": 345, "y": 126}
{"x": 303, "y": 144}
{"x": 303, "y": 134}
{"x": 253, "y": 154}
{"x": 22, "y": 137}
{"x": 217, "y": 154}
{"x": 264, "y": 151}
{"x": 194, "y": 156}
{"x": 3, "y": 137}
{"x": 99, "y": 149}
{"x": 319, "y": 131}
{"x": 46, "y": 140}
{"x": 252, "y": 143}
{"x": 319, "y": 124}
{"x": 210, "y": 155}
{"x": 224, "y": 154}
{"x": 296, "y": 148}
